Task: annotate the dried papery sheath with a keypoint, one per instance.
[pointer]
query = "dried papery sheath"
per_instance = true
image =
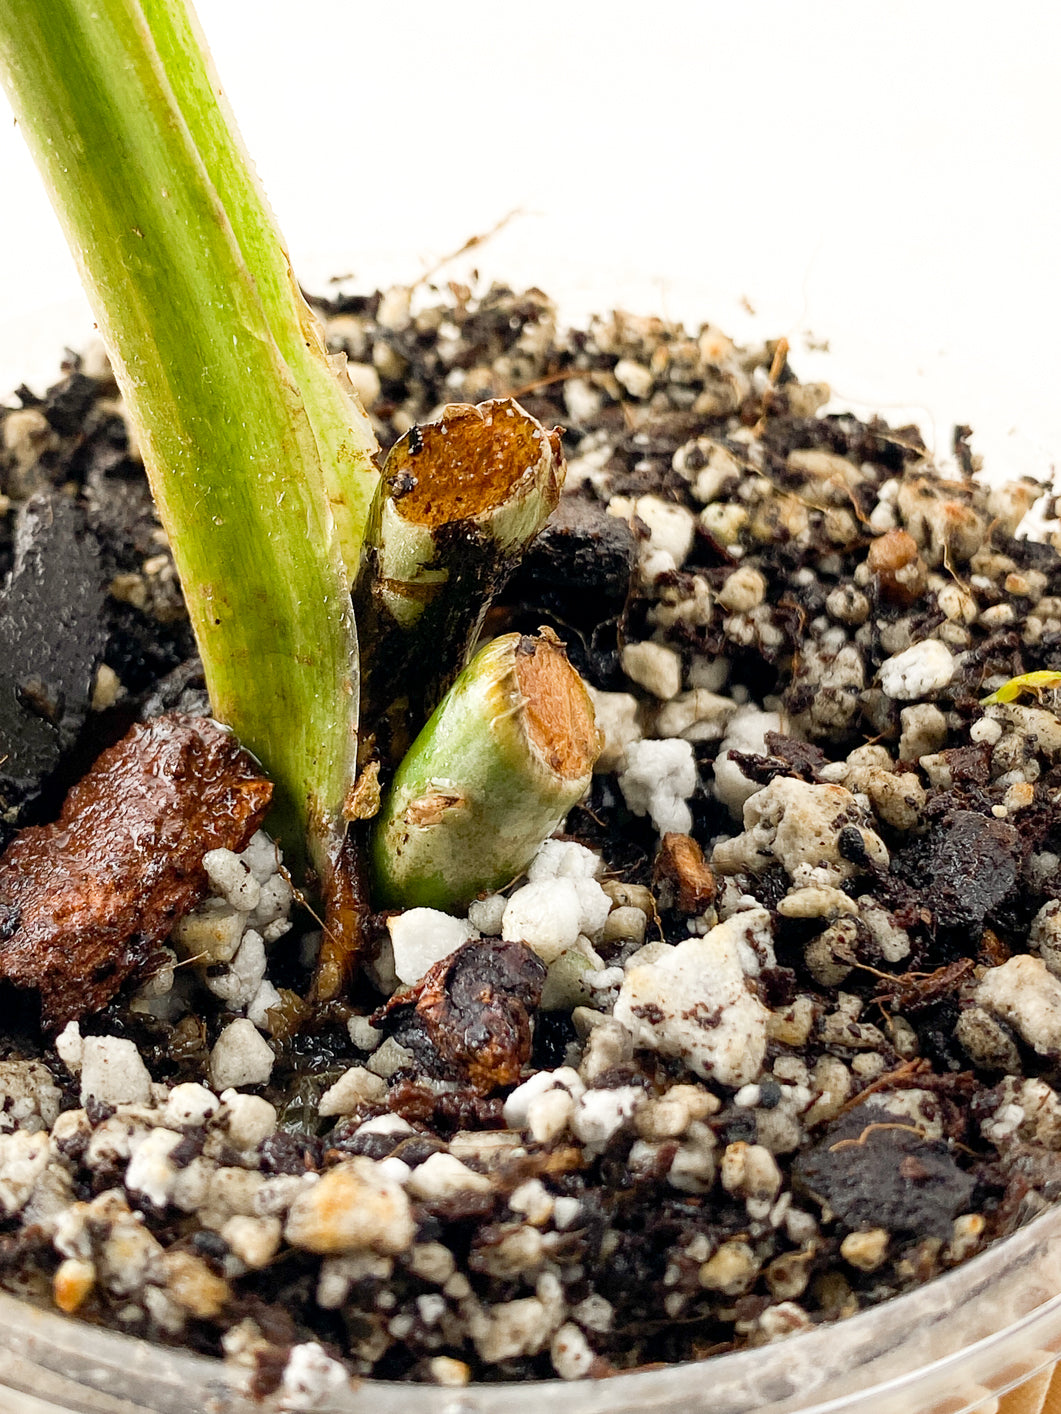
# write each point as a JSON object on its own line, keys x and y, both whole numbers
{"x": 503, "y": 759}
{"x": 459, "y": 501}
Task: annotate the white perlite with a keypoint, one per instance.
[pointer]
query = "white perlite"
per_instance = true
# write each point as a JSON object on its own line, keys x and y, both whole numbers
{"x": 544, "y": 915}
{"x": 746, "y": 732}
{"x": 517, "y": 1107}
{"x": 113, "y": 1073}
{"x": 694, "y": 1002}
{"x": 232, "y": 878}
{"x": 354, "y": 1206}
{"x": 918, "y": 671}
{"x": 23, "y": 1158}
{"x": 659, "y": 778}
{"x": 563, "y": 859}
{"x": 654, "y": 667}
{"x": 1024, "y": 993}
{"x": 29, "y": 1096}
{"x": 310, "y": 1377}
{"x": 420, "y": 937}
{"x": 798, "y": 826}
{"x": 355, "y": 1087}
{"x": 189, "y": 1104}
{"x": 1045, "y": 935}
{"x": 241, "y": 1056}
{"x": 634, "y": 377}
{"x": 150, "y": 1172}
{"x": 599, "y": 1114}
{"x": 69, "y": 1047}
{"x": 617, "y": 721}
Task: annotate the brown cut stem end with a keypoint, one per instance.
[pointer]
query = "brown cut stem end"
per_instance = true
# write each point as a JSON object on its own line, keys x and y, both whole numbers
{"x": 466, "y": 464}
{"x": 557, "y": 711}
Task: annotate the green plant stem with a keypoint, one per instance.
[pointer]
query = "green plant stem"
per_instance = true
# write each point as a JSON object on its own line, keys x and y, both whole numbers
{"x": 503, "y": 759}
{"x": 234, "y": 457}
{"x": 345, "y": 441}
{"x": 459, "y": 501}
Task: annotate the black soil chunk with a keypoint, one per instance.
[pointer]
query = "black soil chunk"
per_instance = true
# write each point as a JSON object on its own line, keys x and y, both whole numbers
{"x": 576, "y": 575}
{"x": 874, "y": 1171}
{"x": 68, "y": 402}
{"x": 966, "y": 867}
{"x": 582, "y": 547}
{"x": 52, "y": 635}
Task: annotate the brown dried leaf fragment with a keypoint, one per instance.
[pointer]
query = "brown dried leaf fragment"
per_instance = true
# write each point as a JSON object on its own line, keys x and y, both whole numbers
{"x": 470, "y": 1014}
{"x": 93, "y": 895}
{"x": 683, "y": 877}
{"x": 346, "y": 915}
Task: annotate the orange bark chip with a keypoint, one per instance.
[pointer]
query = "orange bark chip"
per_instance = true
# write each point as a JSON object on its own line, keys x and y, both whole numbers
{"x": 85, "y": 902}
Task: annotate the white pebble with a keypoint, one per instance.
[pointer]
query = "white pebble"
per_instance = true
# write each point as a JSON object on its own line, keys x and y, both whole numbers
{"x": 919, "y": 670}
{"x": 352, "y": 1207}
{"x": 248, "y": 1119}
{"x": 485, "y": 914}
{"x": 211, "y": 933}
{"x": 390, "y": 1057}
{"x": 549, "y": 1116}
{"x": 190, "y": 1105}
{"x": 570, "y": 1352}
{"x": 743, "y": 590}
{"x": 566, "y": 1212}
{"x": 232, "y": 879}
{"x": 362, "y": 1033}
{"x": 693, "y": 1003}
{"x": 546, "y": 916}
{"x": 241, "y": 1056}
{"x": 69, "y": 1046}
{"x": 443, "y": 1176}
{"x": 420, "y": 937}
{"x": 672, "y": 527}
{"x": 310, "y": 1376}
{"x": 654, "y": 667}
{"x": 113, "y": 1073}
{"x": 262, "y": 1003}
{"x": 987, "y": 730}
{"x": 355, "y": 1087}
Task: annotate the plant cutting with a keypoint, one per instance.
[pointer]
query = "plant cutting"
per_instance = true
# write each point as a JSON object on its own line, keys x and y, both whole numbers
{"x": 260, "y": 457}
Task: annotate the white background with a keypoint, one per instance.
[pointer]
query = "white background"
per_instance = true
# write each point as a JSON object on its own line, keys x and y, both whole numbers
{"x": 884, "y": 176}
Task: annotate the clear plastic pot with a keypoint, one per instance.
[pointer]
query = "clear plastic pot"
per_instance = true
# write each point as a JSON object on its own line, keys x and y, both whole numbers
{"x": 951, "y": 1347}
